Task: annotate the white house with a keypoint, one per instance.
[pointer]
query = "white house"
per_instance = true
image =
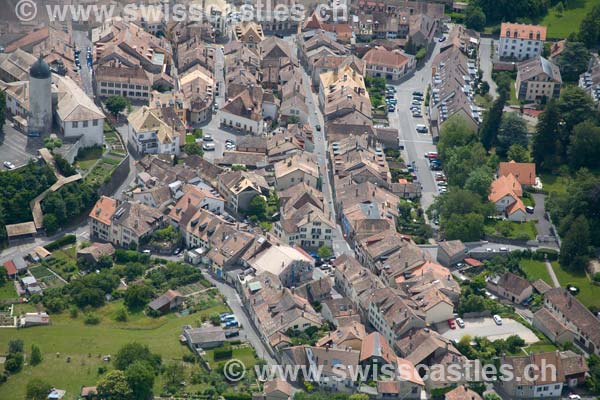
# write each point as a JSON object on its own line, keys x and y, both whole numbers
{"x": 77, "y": 114}
{"x": 521, "y": 41}
{"x": 149, "y": 134}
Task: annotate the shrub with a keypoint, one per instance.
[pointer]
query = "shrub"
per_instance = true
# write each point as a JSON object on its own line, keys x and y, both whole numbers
{"x": 91, "y": 319}
{"x": 597, "y": 277}
{"x": 189, "y": 358}
{"x": 541, "y": 254}
{"x": 223, "y": 353}
{"x": 61, "y": 242}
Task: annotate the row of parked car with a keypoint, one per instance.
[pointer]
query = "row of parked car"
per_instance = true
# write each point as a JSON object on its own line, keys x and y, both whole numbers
{"x": 416, "y": 104}
{"x": 390, "y": 98}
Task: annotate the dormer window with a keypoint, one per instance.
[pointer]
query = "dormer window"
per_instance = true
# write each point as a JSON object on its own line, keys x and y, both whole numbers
{"x": 537, "y": 36}
{"x": 508, "y": 33}
{"x": 530, "y": 35}
{"x": 515, "y": 34}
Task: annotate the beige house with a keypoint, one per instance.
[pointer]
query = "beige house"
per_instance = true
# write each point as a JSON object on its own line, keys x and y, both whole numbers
{"x": 296, "y": 169}
{"x": 538, "y": 79}
{"x": 391, "y": 65}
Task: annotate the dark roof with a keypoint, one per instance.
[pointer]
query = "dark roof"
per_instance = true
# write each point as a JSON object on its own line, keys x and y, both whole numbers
{"x": 513, "y": 283}
{"x": 40, "y": 70}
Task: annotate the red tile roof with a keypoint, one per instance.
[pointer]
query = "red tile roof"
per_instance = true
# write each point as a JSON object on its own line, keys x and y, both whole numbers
{"x": 10, "y": 267}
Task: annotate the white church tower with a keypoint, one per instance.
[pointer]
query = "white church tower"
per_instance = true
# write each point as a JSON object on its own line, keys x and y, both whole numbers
{"x": 40, "y": 98}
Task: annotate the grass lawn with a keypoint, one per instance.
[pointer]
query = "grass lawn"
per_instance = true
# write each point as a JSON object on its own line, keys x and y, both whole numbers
{"x": 535, "y": 270}
{"x": 540, "y": 347}
{"x": 589, "y": 294}
{"x": 86, "y": 345}
{"x": 554, "y": 183}
{"x": 514, "y": 101}
{"x": 511, "y": 230}
{"x": 7, "y": 290}
{"x": 247, "y": 355}
{"x": 560, "y": 27}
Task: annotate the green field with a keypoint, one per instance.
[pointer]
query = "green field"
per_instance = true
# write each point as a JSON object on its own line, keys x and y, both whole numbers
{"x": 589, "y": 294}
{"x": 535, "y": 270}
{"x": 511, "y": 230}
{"x": 7, "y": 290}
{"x": 85, "y": 345}
{"x": 554, "y": 183}
{"x": 559, "y": 27}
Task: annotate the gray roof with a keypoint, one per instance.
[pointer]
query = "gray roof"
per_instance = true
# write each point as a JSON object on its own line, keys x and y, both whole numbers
{"x": 205, "y": 334}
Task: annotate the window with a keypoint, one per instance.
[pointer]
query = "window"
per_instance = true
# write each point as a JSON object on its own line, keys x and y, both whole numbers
{"x": 75, "y": 124}
{"x": 85, "y": 124}
{"x": 95, "y": 122}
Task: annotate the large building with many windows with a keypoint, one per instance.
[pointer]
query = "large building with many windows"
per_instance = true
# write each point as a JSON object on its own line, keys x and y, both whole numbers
{"x": 521, "y": 41}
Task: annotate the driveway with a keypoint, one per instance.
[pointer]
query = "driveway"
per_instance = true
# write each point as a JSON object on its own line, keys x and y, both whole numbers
{"x": 485, "y": 63}
{"x": 486, "y": 327}
{"x": 543, "y": 226}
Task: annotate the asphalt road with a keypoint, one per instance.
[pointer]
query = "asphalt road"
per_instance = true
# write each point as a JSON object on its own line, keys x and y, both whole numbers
{"x": 213, "y": 127}
{"x": 485, "y": 63}
{"x": 16, "y": 147}
{"x": 83, "y": 42}
{"x": 416, "y": 144}
{"x": 249, "y": 331}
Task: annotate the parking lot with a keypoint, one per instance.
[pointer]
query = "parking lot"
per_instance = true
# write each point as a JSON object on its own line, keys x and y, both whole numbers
{"x": 16, "y": 147}
{"x": 486, "y": 327}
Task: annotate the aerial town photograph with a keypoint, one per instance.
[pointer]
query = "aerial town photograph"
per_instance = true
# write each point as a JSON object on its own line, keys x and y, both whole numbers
{"x": 299, "y": 199}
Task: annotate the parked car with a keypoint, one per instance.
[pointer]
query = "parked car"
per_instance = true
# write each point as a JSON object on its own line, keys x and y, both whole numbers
{"x": 504, "y": 249}
{"x": 176, "y": 252}
{"x": 497, "y": 319}
{"x": 421, "y": 128}
{"x": 391, "y": 109}
{"x": 442, "y": 39}
{"x": 9, "y": 165}
{"x": 207, "y": 138}
{"x": 229, "y": 141}
{"x": 232, "y": 324}
{"x": 227, "y": 318}
{"x": 416, "y": 102}
{"x": 451, "y": 324}
{"x": 208, "y": 146}
{"x": 232, "y": 333}
{"x": 460, "y": 322}
{"x": 417, "y": 93}
{"x": 529, "y": 209}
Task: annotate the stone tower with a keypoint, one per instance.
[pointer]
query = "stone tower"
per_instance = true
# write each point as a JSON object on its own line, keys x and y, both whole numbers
{"x": 40, "y": 98}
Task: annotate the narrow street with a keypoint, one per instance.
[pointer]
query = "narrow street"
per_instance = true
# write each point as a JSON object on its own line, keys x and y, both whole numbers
{"x": 249, "y": 331}
{"x": 340, "y": 246}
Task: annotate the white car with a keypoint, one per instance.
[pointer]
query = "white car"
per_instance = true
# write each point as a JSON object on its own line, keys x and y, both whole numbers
{"x": 9, "y": 165}
{"x": 460, "y": 322}
{"x": 573, "y": 396}
{"x": 497, "y": 319}
{"x": 208, "y": 146}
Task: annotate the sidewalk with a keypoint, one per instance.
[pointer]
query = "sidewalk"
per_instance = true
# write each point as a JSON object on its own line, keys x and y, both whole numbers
{"x": 552, "y": 275}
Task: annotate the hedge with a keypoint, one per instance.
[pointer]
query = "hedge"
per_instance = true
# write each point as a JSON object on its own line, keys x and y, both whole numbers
{"x": 61, "y": 242}
{"x": 223, "y": 353}
{"x": 542, "y": 254}
{"x": 237, "y": 396}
